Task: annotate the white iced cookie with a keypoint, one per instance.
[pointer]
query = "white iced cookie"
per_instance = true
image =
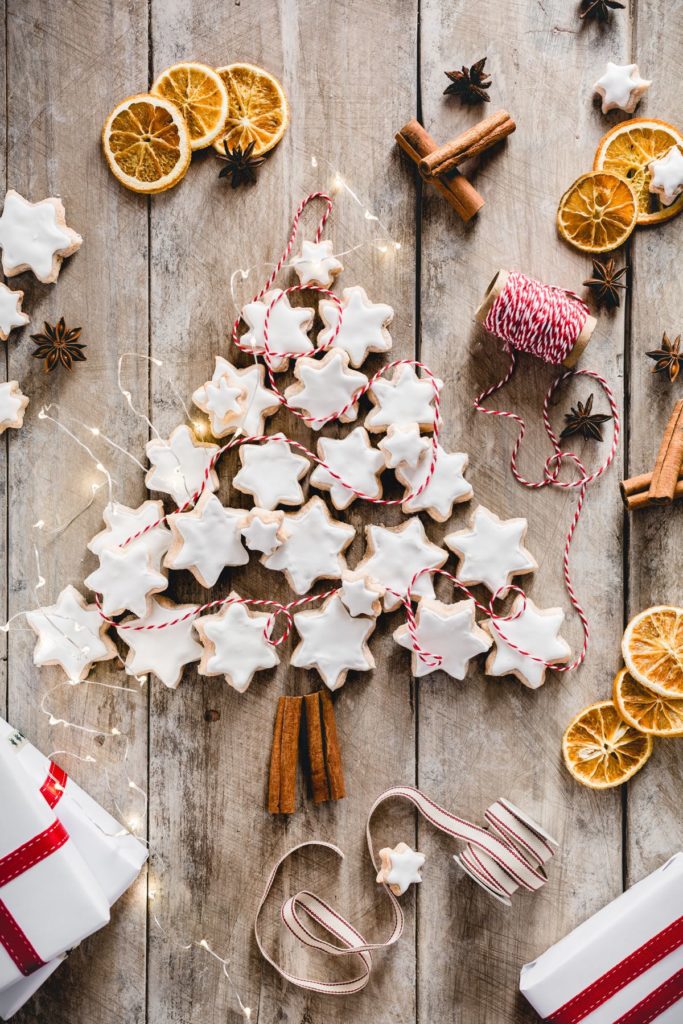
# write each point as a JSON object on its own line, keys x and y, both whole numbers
{"x": 235, "y": 644}
{"x": 12, "y": 406}
{"x": 363, "y": 327}
{"x": 491, "y": 551}
{"x": 447, "y": 485}
{"x": 621, "y": 87}
{"x": 259, "y": 402}
{"x": 354, "y": 460}
{"x": 360, "y": 594}
{"x": 287, "y": 327}
{"x": 313, "y": 548}
{"x": 178, "y": 466}
{"x": 122, "y": 523}
{"x": 666, "y": 176}
{"x": 271, "y": 473}
{"x": 404, "y": 399}
{"x": 448, "y": 630}
{"x": 263, "y": 530}
{"x": 206, "y": 539}
{"x": 394, "y": 554}
{"x": 317, "y": 264}
{"x": 164, "y": 652}
{"x": 11, "y": 314}
{"x": 333, "y": 642}
{"x": 125, "y": 579}
{"x": 404, "y": 446}
{"x": 224, "y": 401}
{"x": 325, "y": 386}
{"x": 71, "y": 634}
{"x": 35, "y": 236}
{"x": 537, "y": 632}
{"x": 400, "y": 867}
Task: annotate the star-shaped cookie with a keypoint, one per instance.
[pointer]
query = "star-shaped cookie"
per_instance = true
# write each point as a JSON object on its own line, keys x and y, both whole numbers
{"x": 125, "y": 579}
{"x": 404, "y": 399}
{"x": 206, "y": 539}
{"x": 35, "y": 236}
{"x": 360, "y": 594}
{"x": 354, "y": 460}
{"x": 325, "y": 386}
{"x": 404, "y": 446}
{"x": 400, "y": 867}
{"x": 491, "y": 551}
{"x": 394, "y": 554}
{"x": 287, "y": 328}
{"x": 71, "y": 634}
{"x": 363, "y": 327}
{"x": 537, "y": 632}
{"x": 235, "y": 644}
{"x": 447, "y": 485}
{"x": 333, "y": 642}
{"x": 621, "y": 87}
{"x": 164, "y": 652}
{"x": 259, "y": 402}
{"x": 11, "y": 314}
{"x": 666, "y": 176}
{"x": 316, "y": 264}
{"x": 122, "y": 523}
{"x": 12, "y": 406}
{"x": 271, "y": 473}
{"x": 313, "y": 548}
{"x": 264, "y": 530}
{"x": 448, "y": 630}
{"x": 179, "y": 465}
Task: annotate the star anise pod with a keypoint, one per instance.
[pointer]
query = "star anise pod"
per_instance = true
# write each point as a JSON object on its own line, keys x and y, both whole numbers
{"x": 668, "y": 358}
{"x": 606, "y": 281}
{"x": 582, "y": 420}
{"x": 599, "y": 9}
{"x": 240, "y": 164}
{"x": 59, "y": 346}
{"x": 470, "y": 84}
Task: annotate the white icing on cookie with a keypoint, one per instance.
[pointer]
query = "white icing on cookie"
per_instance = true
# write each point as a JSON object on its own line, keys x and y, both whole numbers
{"x": 393, "y": 556}
{"x": 491, "y": 551}
{"x": 404, "y": 399}
{"x": 667, "y": 176}
{"x": 535, "y": 631}
{"x": 446, "y": 487}
{"x": 71, "y": 634}
{"x": 404, "y": 446}
{"x": 364, "y": 325}
{"x": 264, "y": 530}
{"x": 206, "y": 539}
{"x": 325, "y": 387}
{"x": 34, "y": 236}
{"x": 235, "y": 644}
{"x": 259, "y": 402}
{"x": 449, "y": 630}
{"x": 353, "y": 459}
{"x": 313, "y": 548}
{"x": 333, "y": 642}
{"x": 360, "y": 595}
{"x": 287, "y": 328}
{"x": 122, "y": 523}
{"x": 165, "y": 652}
{"x": 317, "y": 264}
{"x": 12, "y": 406}
{"x": 124, "y": 580}
{"x": 179, "y": 464}
{"x": 621, "y": 87}
{"x": 11, "y": 315}
{"x": 271, "y": 473}
{"x": 400, "y": 868}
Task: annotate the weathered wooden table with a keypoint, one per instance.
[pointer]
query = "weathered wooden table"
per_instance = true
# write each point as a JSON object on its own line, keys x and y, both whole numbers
{"x": 153, "y": 278}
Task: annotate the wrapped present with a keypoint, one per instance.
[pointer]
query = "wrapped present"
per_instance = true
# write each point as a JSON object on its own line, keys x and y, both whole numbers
{"x": 624, "y": 965}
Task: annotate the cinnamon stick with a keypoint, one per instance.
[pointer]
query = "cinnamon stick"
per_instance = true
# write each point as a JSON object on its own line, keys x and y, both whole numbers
{"x": 275, "y": 759}
{"x": 639, "y": 484}
{"x": 320, "y": 789}
{"x": 456, "y": 190}
{"x": 284, "y": 757}
{"x": 335, "y": 772}
{"x": 468, "y": 144}
{"x": 642, "y": 499}
{"x": 669, "y": 460}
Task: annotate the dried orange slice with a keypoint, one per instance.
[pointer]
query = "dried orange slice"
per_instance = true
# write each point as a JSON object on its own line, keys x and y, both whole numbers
{"x": 646, "y": 710}
{"x": 653, "y": 650}
{"x": 628, "y": 149}
{"x": 200, "y": 95}
{"x": 258, "y": 111}
{"x": 146, "y": 143}
{"x": 601, "y": 750}
{"x": 598, "y": 212}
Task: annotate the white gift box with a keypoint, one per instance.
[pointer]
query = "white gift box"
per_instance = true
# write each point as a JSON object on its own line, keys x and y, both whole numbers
{"x": 629, "y": 955}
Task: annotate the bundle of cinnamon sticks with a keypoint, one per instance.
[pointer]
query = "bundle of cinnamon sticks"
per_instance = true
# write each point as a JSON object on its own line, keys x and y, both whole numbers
{"x": 665, "y": 483}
